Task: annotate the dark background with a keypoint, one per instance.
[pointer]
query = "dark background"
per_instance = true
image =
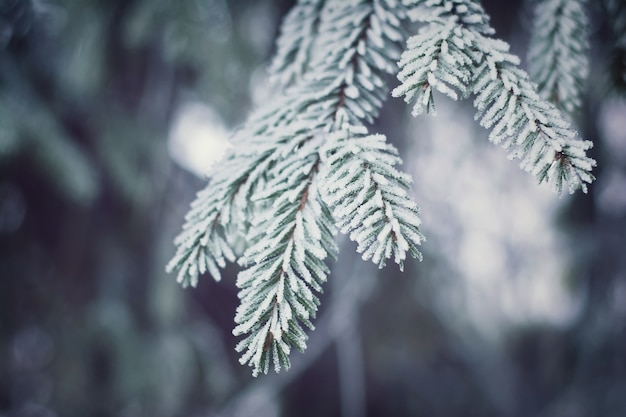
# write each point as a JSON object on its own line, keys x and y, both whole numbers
{"x": 90, "y": 201}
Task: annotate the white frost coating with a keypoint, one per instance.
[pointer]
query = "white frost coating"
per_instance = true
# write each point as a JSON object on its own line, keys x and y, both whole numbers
{"x": 294, "y": 44}
{"x": 558, "y": 55}
{"x": 305, "y": 164}
{"x": 352, "y": 92}
{"x": 368, "y": 215}
{"x": 468, "y": 60}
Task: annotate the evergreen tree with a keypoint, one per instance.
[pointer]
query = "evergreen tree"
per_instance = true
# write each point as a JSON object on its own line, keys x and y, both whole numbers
{"x": 306, "y": 163}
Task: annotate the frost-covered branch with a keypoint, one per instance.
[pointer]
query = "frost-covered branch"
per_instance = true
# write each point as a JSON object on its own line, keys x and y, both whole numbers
{"x": 438, "y": 58}
{"x": 305, "y": 165}
{"x": 455, "y": 55}
{"x": 533, "y": 129}
{"x": 334, "y": 73}
{"x": 285, "y": 265}
{"x": 370, "y": 197}
{"x": 203, "y": 244}
{"x": 558, "y": 57}
{"x": 357, "y": 46}
{"x": 293, "y": 47}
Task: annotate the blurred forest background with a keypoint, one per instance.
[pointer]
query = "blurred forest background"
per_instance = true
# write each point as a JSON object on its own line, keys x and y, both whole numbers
{"x": 519, "y": 308}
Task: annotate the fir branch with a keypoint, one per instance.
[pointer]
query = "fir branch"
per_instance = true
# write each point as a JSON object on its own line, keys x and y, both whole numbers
{"x": 225, "y": 206}
{"x": 437, "y": 58}
{"x": 284, "y": 265}
{"x": 346, "y": 71}
{"x": 454, "y": 55}
{"x": 354, "y": 49}
{"x": 306, "y": 156}
{"x": 295, "y": 234}
{"x": 534, "y": 129}
{"x": 360, "y": 43}
{"x": 203, "y": 244}
{"x": 558, "y": 56}
{"x": 441, "y": 56}
{"x": 468, "y": 13}
{"x": 293, "y": 47}
{"x": 369, "y": 196}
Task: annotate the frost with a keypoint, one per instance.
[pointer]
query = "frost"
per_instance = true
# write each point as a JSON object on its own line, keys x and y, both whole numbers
{"x": 305, "y": 165}
{"x": 558, "y": 54}
{"x": 352, "y": 92}
{"x": 295, "y": 41}
{"x": 467, "y": 61}
{"x": 368, "y": 215}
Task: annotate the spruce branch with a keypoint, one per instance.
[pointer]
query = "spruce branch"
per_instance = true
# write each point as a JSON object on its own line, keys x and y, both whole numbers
{"x": 293, "y": 46}
{"x": 558, "y": 57}
{"x": 468, "y": 13}
{"x": 438, "y": 58}
{"x": 442, "y": 56}
{"x": 334, "y": 73}
{"x": 359, "y": 45}
{"x": 285, "y": 265}
{"x": 203, "y": 244}
{"x": 345, "y": 82}
{"x": 369, "y": 196}
{"x": 455, "y": 55}
{"x": 305, "y": 165}
{"x": 533, "y": 129}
